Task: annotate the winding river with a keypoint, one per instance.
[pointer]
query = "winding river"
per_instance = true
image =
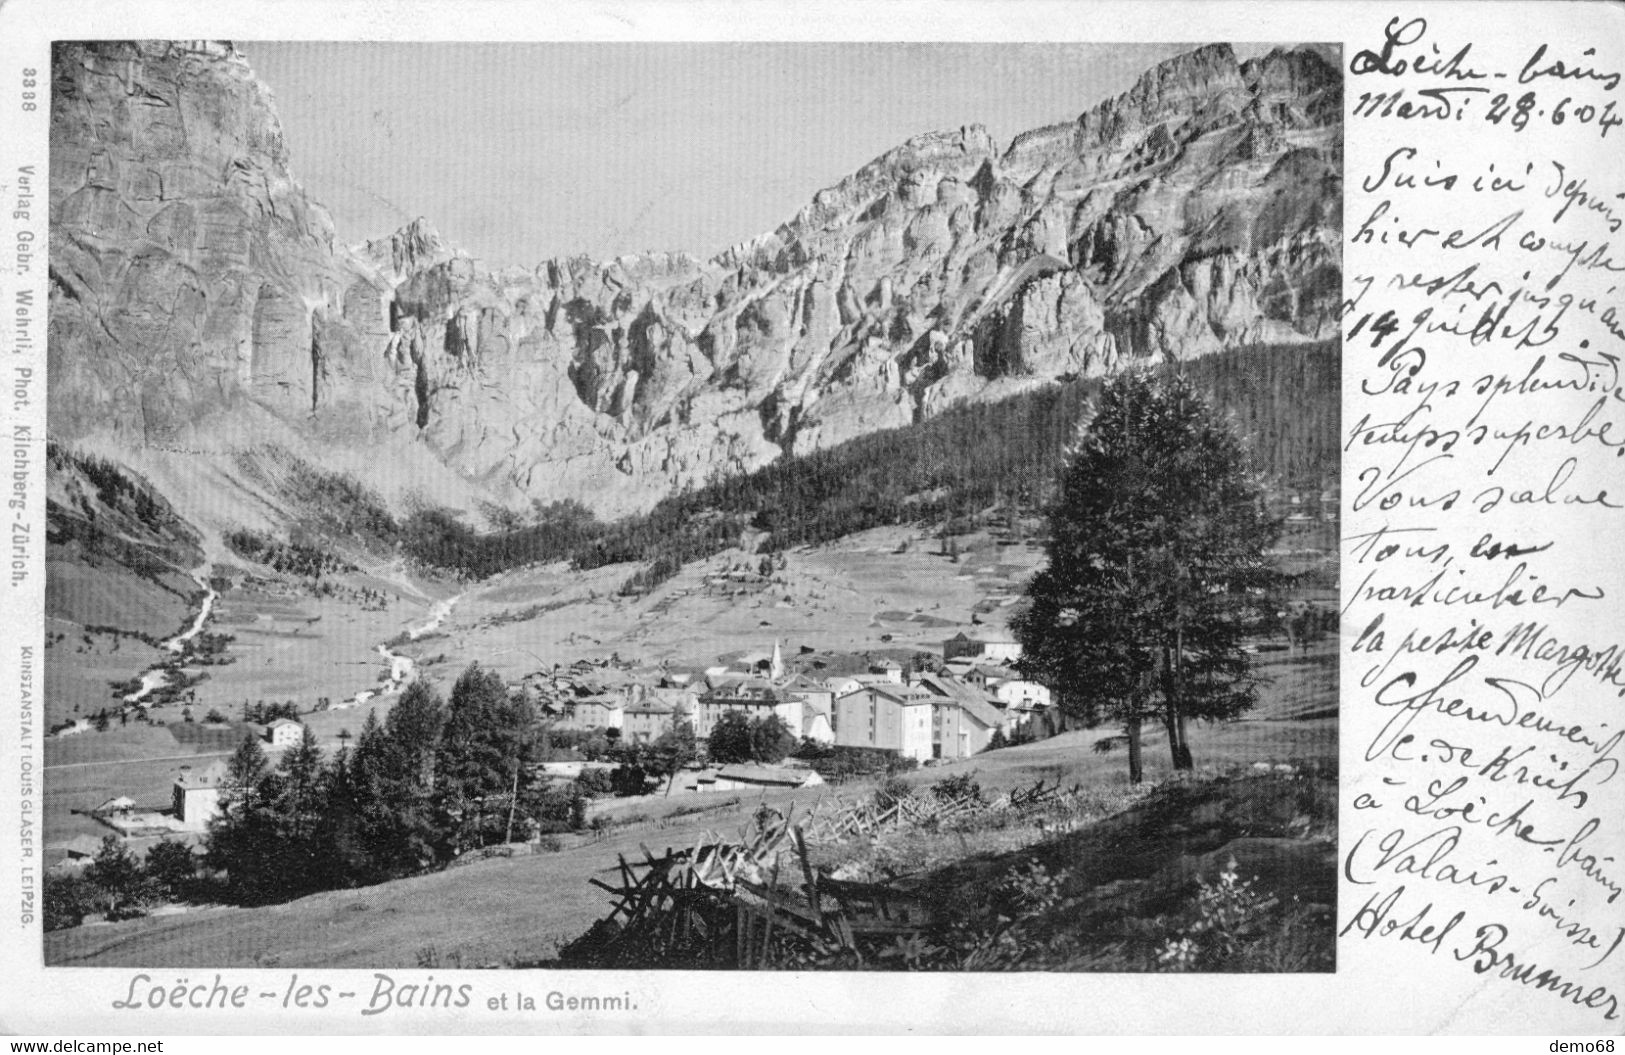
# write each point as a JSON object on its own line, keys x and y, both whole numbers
{"x": 402, "y": 668}
{"x": 157, "y": 677}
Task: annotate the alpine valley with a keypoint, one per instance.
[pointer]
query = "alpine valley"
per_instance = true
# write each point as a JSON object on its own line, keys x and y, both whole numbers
{"x": 296, "y": 480}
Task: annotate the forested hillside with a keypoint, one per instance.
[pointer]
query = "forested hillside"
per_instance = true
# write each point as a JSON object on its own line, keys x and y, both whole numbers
{"x": 966, "y": 461}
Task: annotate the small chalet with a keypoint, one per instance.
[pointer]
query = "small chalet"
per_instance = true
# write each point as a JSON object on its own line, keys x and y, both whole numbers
{"x": 284, "y": 732}
{"x": 989, "y": 646}
{"x": 119, "y": 804}
{"x": 889, "y": 669}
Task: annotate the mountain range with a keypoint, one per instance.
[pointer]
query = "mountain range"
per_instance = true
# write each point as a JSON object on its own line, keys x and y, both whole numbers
{"x": 204, "y": 308}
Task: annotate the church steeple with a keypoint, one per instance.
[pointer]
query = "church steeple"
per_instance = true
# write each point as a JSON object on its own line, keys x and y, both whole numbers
{"x": 775, "y": 669}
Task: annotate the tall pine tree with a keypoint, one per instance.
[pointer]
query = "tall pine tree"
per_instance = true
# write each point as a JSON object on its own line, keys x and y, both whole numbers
{"x": 1156, "y": 564}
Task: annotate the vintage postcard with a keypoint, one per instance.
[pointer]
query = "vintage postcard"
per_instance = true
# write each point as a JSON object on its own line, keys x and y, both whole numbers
{"x": 510, "y": 511}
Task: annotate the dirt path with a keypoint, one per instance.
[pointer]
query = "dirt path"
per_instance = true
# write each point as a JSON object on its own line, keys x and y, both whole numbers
{"x": 138, "y": 761}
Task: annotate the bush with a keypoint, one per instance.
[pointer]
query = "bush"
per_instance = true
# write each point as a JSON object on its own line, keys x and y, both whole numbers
{"x": 629, "y": 779}
{"x": 958, "y": 787}
{"x": 68, "y": 900}
{"x": 171, "y": 869}
{"x": 595, "y": 782}
{"x": 836, "y": 764}
{"x": 121, "y": 888}
{"x": 1226, "y": 915}
{"x": 891, "y": 791}
{"x": 730, "y": 739}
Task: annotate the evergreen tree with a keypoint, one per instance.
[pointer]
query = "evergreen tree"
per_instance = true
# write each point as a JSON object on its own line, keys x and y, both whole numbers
{"x": 1156, "y": 559}
{"x": 119, "y": 880}
{"x": 344, "y": 859}
{"x": 481, "y": 764}
{"x": 296, "y": 794}
{"x": 414, "y": 726}
{"x": 171, "y": 868}
{"x": 242, "y": 840}
{"x": 393, "y": 813}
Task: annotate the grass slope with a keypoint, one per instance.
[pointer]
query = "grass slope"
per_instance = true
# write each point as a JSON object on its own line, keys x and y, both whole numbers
{"x": 521, "y": 910}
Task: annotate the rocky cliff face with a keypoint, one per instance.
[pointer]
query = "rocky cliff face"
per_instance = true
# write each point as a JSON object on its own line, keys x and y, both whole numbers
{"x": 200, "y": 300}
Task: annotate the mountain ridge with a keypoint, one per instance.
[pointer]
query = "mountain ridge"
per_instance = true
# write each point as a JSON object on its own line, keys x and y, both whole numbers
{"x": 201, "y": 300}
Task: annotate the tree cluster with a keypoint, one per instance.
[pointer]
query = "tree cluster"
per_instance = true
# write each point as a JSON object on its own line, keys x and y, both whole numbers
{"x": 1156, "y": 566}
{"x": 263, "y": 712}
{"x": 837, "y": 763}
{"x": 434, "y": 780}
{"x": 119, "y": 885}
{"x": 736, "y": 738}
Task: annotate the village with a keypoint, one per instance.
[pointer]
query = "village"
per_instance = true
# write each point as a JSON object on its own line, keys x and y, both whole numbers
{"x": 924, "y": 708}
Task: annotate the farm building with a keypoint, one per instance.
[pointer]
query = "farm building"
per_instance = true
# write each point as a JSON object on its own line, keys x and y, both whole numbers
{"x": 118, "y": 804}
{"x": 744, "y": 778}
{"x": 989, "y": 646}
{"x": 1018, "y": 693}
{"x": 284, "y": 732}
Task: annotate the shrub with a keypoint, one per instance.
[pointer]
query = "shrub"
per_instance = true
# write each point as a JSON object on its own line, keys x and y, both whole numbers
{"x": 836, "y": 764}
{"x": 891, "y": 791}
{"x": 68, "y": 900}
{"x": 1226, "y": 914}
{"x": 121, "y": 884}
{"x": 594, "y": 782}
{"x": 171, "y": 868}
{"x": 958, "y": 787}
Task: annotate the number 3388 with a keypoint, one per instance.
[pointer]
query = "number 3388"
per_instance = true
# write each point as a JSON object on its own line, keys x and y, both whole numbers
{"x": 30, "y": 83}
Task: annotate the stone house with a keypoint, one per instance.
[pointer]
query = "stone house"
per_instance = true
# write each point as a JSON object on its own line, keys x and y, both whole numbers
{"x": 196, "y": 795}
{"x": 895, "y": 717}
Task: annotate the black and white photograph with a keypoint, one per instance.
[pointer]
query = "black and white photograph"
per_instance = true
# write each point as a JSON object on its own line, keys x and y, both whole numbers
{"x": 780, "y": 506}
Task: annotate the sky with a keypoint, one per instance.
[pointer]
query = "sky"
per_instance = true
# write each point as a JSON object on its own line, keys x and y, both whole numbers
{"x": 522, "y": 152}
